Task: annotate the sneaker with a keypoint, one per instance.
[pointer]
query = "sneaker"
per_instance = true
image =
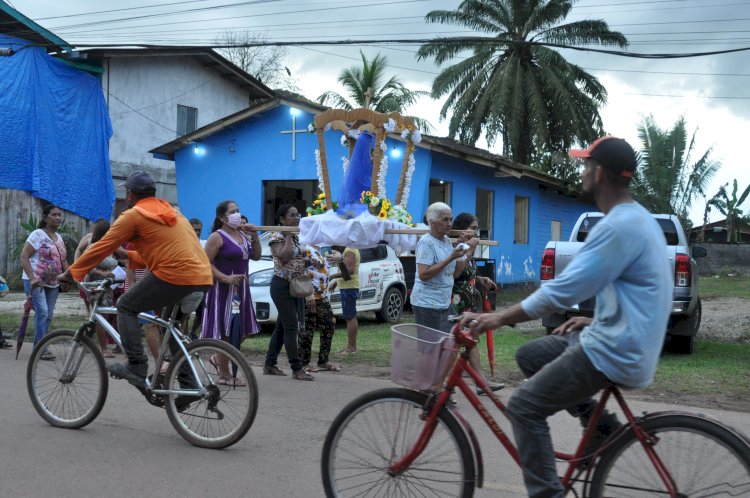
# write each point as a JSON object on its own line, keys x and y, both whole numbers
{"x": 608, "y": 425}
{"x": 494, "y": 386}
{"x": 122, "y": 371}
{"x": 272, "y": 370}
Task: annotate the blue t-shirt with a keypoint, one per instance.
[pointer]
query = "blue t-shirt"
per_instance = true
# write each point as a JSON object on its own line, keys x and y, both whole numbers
{"x": 623, "y": 263}
{"x": 437, "y": 292}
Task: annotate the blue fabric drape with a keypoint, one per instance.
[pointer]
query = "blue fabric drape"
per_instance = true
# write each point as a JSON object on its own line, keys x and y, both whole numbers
{"x": 55, "y": 130}
{"x": 358, "y": 177}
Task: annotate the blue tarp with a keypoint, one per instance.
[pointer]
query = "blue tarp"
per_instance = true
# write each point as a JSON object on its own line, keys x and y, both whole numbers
{"x": 55, "y": 129}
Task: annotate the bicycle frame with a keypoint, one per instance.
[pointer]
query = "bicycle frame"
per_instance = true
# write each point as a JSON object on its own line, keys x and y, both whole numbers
{"x": 455, "y": 380}
{"x": 96, "y": 317}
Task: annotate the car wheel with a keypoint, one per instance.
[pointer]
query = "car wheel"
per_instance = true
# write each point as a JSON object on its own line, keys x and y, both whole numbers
{"x": 393, "y": 304}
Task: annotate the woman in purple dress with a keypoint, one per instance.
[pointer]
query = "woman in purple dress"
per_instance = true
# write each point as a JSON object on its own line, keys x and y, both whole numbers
{"x": 229, "y": 247}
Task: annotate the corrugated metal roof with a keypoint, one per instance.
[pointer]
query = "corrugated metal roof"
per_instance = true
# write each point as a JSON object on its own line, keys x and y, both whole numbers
{"x": 13, "y": 23}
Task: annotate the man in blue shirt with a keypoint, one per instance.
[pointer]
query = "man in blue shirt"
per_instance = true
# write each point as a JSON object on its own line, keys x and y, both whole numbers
{"x": 622, "y": 263}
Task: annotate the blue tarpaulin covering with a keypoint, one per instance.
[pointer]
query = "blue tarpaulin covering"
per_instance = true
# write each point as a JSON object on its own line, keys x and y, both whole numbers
{"x": 54, "y": 131}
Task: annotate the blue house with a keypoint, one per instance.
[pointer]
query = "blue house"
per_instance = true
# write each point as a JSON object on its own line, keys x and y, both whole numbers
{"x": 264, "y": 156}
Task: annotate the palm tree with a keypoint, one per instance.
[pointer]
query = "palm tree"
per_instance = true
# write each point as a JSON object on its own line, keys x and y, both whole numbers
{"x": 730, "y": 207}
{"x": 666, "y": 181}
{"x": 367, "y": 88}
{"x": 513, "y": 86}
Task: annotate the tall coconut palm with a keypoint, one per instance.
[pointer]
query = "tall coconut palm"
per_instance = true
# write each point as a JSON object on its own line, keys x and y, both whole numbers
{"x": 666, "y": 180}
{"x": 367, "y": 88}
{"x": 511, "y": 85}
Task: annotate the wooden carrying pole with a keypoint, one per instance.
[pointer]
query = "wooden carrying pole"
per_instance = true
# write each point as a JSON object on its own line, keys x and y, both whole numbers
{"x": 389, "y": 231}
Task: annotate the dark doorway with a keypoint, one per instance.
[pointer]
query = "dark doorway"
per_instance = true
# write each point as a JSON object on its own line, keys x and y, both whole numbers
{"x": 300, "y": 193}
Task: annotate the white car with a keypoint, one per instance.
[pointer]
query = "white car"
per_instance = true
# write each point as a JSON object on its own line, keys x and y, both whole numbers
{"x": 381, "y": 279}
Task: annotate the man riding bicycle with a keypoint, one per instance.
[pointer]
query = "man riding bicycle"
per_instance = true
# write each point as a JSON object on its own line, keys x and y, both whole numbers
{"x": 165, "y": 243}
{"x": 621, "y": 263}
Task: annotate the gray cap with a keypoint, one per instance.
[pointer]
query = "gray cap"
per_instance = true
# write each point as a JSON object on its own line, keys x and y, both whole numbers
{"x": 138, "y": 182}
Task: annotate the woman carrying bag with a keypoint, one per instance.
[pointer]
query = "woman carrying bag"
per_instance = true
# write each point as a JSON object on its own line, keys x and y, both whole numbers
{"x": 43, "y": 258}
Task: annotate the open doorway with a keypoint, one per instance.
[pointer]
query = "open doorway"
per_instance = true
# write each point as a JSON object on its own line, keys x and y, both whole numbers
{"x": 440, "y": 191}
{"x": 299, "y": 193}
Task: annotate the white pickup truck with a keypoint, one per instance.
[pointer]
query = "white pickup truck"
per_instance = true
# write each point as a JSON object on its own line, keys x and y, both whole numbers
{"x": 686, "y": 305}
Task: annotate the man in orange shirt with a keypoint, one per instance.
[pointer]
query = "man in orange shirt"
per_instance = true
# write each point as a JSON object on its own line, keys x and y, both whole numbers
{"x": 165, "y": 243}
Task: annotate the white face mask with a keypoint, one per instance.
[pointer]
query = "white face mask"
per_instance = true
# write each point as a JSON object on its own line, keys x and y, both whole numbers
{"x": 234, "y": 220}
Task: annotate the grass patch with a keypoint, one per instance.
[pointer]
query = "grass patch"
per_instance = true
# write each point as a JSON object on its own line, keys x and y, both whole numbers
{"x": 714, "y": 367}
{"x": 9, "y": 322}
{"x": 713, "y": 287}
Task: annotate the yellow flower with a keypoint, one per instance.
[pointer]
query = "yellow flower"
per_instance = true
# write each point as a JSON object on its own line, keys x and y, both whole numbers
{"x": 383, "y": 214}
{"x": 322, "y": 195}
{"x": 386, "y": 204}
{"x": 316, "y": 202}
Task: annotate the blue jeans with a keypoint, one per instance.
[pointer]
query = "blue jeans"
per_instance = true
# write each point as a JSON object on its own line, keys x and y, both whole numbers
{"x": 561, "y": 377}
{"x": 44, "y": 300}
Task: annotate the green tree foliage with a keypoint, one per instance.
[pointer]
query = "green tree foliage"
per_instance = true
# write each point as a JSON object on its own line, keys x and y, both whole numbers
{"x": 368, "y": 88}
{"x": 730, "y": 207}
{"x": 667, "y": 180}
{"x": 513, "y": 87}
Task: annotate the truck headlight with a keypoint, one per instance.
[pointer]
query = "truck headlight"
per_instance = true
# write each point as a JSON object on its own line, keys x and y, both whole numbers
{"x": 261, "y": 278}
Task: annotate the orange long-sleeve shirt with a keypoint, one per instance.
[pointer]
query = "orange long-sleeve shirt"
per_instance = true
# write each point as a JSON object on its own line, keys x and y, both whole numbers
{"x": 163, "y": 241}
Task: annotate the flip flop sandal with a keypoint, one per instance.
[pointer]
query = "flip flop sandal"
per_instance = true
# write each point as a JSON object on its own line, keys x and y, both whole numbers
{"x": 231, "y": 382}
{"x": 107, "y": 353}
{"x": 47, "y": 356}
{"x": 330, "y": 367}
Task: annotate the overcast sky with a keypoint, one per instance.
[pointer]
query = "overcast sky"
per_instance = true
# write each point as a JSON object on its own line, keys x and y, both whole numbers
{"x": 712, "y": 92}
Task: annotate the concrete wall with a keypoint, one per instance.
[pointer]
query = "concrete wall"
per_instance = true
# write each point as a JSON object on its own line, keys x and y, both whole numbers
{"x": 154, "y": 86}
{"x": 736, "y": 256}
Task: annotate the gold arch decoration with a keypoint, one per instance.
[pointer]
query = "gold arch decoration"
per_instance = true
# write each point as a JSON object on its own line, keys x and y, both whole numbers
{"x": 363, "y": 120}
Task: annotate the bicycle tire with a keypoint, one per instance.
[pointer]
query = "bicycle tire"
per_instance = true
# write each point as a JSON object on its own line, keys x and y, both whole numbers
{"x": 60, "y": 402}
{"x": 227, "y": 414}
{"x": 703, "y": 457}
{"x": 379, "y": 428}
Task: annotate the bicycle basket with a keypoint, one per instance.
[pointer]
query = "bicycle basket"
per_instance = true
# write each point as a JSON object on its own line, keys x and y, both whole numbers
{"x": 420, "y": 355}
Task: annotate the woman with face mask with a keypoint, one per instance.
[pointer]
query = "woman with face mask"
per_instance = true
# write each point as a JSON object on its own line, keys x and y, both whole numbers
{"x": 229, "y": 247}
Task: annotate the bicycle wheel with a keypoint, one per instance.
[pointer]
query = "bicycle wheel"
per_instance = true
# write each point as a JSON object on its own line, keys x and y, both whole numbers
{"x": 74, "y": 398}
{"x": 375, "y": 431}
{"x": 703, "y": 457}
{"x": 226, "y": 414}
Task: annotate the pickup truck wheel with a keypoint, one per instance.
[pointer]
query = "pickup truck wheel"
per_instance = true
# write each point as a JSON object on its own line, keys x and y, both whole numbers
{"x": 681, "y": 344}
{"x": 393, "y": 304}
{"x": 684, "y": 330}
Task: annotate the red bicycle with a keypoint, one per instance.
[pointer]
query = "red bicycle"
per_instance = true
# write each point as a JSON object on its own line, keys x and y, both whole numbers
{"x": 412, "y": 442}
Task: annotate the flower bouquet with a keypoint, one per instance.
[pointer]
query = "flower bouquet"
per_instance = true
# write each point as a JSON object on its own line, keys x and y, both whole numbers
{"x": 319, "y": 205}
{"x": 385, "y": 209}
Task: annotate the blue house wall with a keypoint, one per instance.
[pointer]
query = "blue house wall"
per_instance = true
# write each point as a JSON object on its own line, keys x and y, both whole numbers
{"x": 234, "y": 163}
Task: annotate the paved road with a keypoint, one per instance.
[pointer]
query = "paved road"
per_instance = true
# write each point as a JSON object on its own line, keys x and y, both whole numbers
{"x": 132, "y": 450}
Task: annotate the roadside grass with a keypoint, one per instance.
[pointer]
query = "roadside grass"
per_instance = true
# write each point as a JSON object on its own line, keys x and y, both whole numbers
{"x": 713, "y": 368}
{"x": 712, "y": 287}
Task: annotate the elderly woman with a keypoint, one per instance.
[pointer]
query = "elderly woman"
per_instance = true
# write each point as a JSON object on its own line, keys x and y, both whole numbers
{"x": 438, "y": 264}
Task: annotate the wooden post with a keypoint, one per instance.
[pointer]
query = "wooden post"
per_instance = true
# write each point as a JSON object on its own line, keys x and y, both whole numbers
{"x": 324, "y": 169}
{"x": 376, "y": 158}
{"x": 404, "y": 170}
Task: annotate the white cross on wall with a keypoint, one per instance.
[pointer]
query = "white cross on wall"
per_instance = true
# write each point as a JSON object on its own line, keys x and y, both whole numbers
{"x": 293, "y": 132}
